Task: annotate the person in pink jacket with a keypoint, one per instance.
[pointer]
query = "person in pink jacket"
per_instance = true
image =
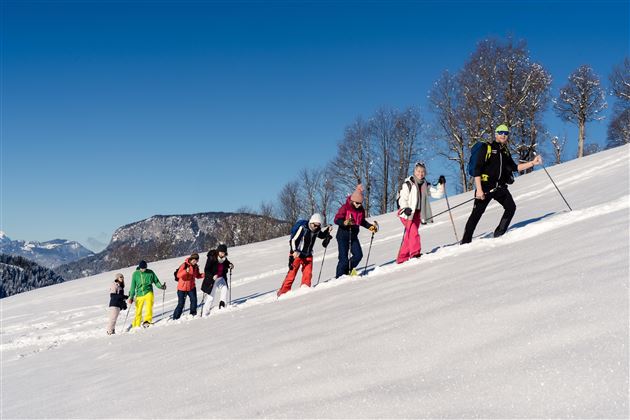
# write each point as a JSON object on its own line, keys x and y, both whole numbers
{"x": 186, "y": 275}
{"x": 349, "y": 217}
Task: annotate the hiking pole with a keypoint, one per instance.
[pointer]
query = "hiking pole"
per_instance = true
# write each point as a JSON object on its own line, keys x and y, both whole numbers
{"x": 230, "y": 289}
{"x": 163, "y": 296}
{"x": 369, "y": 250}
{"x": 125, "y": 322}
{"x": 458, "y": 205}
{"x": 321, "y": 267}
{"x": 349, "y": 250}
{"x": 203, "y": 299}
{"x": 554, "y": 184}
{"x": 448, "y": 206}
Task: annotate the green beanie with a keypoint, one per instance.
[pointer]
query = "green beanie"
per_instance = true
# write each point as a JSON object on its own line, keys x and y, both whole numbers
{"x": 502, "y": 127}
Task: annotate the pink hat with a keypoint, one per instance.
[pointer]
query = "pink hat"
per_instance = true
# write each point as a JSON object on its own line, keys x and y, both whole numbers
{"x": 357, "y": 195}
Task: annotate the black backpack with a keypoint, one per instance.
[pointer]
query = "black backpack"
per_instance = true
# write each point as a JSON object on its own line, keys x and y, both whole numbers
{"x": 398, "y": 194}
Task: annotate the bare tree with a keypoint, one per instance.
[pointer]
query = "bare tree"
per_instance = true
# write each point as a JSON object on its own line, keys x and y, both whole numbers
{"x": 499, "y": 84}
{"x": 558, "y": 147}
{"x": 310, "y": 181}
{"x": 289, "y": 202}
{"x": 581, "y": 100}
{"x": 353, "y": 163}
{"x": 407, "y": 131}
{"x": 382, "y": 126}
{"x": 326, "y": 192}
{"x": 619, "y": 127}
{"x": 620, "y": 80}
{"x": 267, "y": 209}
{"x": 451, "y": 140}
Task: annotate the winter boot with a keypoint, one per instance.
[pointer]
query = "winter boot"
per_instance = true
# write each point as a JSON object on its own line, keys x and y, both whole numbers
{"x": 146, "y": 324}
{"x": 221, "y": 305}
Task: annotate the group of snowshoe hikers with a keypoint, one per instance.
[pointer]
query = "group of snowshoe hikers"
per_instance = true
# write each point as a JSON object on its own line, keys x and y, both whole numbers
{"x": 492, "y": 170}
{"x": 214, "y": 286}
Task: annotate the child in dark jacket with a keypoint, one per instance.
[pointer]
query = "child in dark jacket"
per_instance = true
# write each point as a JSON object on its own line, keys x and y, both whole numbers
{"x": 116, "y": 302}
{"x": 215, "y": 275}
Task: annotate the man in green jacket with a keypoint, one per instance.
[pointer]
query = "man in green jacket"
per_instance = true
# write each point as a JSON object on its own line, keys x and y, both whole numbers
{"x": 141, "y": 288}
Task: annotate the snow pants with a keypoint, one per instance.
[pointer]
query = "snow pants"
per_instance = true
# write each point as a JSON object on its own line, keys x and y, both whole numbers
{"x": 410, "y": 246}
{"x": 503, "y": 196}
{"x": 113, "y": 313}
{"x": 307, "y": 273}
{"x": 181, "y": 301}
{"x": 220, "y": 288}
{"x": 141, "y": 301}
{"x": 345, "y": 245}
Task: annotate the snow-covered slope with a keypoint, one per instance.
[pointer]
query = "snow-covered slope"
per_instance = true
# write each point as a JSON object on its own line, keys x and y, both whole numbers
{"x": 532, "y": 324}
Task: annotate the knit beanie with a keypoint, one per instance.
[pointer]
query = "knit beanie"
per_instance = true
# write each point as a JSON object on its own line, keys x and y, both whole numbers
{"x": 142, "y": 264}
{"x": 357, "y": 195}
{"x": 194, "y": 256}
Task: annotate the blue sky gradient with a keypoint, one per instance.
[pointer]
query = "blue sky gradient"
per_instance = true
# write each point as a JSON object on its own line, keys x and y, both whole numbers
{"x": 116, "y": 111}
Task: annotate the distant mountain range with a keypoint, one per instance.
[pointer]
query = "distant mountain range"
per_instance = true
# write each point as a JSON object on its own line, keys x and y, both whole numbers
{"x": 162, "y": 237}
{"x": 49, "y": 254}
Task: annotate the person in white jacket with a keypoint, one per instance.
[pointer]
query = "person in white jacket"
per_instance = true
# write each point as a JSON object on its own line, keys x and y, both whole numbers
{"x": 413, "y": 200}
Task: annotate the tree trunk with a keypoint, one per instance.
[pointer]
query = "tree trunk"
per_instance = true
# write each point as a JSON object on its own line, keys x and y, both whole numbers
{"x": 581, "y": 125}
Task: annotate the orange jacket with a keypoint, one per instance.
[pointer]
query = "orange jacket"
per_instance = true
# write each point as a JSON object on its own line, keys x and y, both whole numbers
{"x": 186, "y": 279}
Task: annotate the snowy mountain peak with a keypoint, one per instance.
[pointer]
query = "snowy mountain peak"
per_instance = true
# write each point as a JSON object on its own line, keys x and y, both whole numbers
{"x": 49, "y": 254}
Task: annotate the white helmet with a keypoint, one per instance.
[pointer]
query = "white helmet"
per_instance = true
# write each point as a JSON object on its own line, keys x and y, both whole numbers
{"x": 316, "y": 218}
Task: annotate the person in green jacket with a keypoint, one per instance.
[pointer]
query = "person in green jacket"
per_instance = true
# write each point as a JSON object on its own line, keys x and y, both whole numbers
{"x": 141, "y": 289}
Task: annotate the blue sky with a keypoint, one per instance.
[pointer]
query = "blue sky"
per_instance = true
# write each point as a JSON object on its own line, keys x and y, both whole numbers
{"x": 116, "y": 111}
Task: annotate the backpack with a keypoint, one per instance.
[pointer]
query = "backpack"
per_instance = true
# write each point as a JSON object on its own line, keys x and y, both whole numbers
{"x": 398, "y": 194}
{"x": 175, "y": 272}
{"x": 297, "y": 225}
{"x": 474, "y": 155}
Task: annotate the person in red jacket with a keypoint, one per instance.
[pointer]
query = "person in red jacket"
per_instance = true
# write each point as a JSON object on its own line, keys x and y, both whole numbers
{"x": 350, "y": 216}
{"x": 186, "y": 275}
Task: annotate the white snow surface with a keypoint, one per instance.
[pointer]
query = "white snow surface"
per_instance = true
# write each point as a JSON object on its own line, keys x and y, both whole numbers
{"x": 530, "y": 325}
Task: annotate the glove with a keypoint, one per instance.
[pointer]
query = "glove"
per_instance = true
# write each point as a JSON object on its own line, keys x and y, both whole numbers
{"x": 442, "y": 180}
{"x": 374, "y": 228}
{"x": 326, "y": 241}
{"x": 407, "y": 211}
{"x": 348, "y": 222}
{"x": 291, "y": 259}
{"x": 164, "y": 286}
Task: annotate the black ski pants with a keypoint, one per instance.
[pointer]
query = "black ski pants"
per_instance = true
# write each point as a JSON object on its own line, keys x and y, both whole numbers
{"x": 503, "y": 196}
{"x": 347, "y": 245}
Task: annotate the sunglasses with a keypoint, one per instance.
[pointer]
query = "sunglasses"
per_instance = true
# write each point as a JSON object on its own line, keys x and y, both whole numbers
{"x": 503, "y": 133}
{"x": 316, "y": 225}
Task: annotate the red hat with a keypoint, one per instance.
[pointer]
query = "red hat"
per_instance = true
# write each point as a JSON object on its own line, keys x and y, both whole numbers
{"x": 357, "y": 195}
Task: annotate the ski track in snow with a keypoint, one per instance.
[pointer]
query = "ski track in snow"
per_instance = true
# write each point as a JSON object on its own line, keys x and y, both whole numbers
{"x": 45, "y": 335}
